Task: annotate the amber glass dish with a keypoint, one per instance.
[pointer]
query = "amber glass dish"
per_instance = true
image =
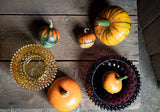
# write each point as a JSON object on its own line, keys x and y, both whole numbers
{"x": 33, "y": 67}
{"x": 130, "y": 86}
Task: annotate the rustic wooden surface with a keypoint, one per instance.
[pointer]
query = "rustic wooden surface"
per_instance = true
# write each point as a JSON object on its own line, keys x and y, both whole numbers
{"x": 149, "y": 19}
{"x": 20, "y": 24}
{"x": 63, "y": 7}
{"x": 152, "y": 37}
{"x": 148, "y": 12}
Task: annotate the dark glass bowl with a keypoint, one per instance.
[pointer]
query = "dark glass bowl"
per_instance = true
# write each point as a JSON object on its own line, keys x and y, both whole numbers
{"x": 130, "y": 86}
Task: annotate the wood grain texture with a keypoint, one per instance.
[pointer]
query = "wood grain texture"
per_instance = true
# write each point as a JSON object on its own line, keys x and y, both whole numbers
{"x": 155, "y": 60}
{"x": 148, "y": 11}
{"x": 63, "y": 6}
{"x": 17, "y": 31}
{"x": 13, "y": 96}
{"x": 20, "y": 24}
{"x": 152, "y": 37}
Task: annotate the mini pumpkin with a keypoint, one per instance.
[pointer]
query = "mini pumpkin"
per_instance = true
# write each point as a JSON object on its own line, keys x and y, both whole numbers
{"x": 86, "y": 39}
{"x": 112, "y": 25}
{"x": 112, "y": 82}
{"x": 64, "y": 94}
{"x": 49, "y": 36}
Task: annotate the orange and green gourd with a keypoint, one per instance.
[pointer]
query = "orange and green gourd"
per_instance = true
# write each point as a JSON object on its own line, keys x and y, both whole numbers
{"x": 112, "y": 82}
{"x": 49, "y": 36}
{"x": 86, "y": 39}
{"x": 112, "y": 25}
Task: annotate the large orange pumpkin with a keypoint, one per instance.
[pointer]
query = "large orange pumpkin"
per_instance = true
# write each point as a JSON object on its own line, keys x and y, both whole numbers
{"x": 112, "y": 82}
{"x": 64, "y": 94}
{"x": 112, "y": 25}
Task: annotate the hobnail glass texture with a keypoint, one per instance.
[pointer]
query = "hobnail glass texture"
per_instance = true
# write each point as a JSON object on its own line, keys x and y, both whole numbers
{"x": 33, "y": 67}
{"x": 130, "y": 86}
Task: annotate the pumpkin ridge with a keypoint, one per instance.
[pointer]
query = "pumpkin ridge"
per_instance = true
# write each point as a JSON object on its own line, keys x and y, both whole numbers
{"x": 56, "y": 36}
{"x": 106, "y": 14}
{"x": 106, "y": 38}
{"x": 47, "y": 35}
{"x": 111, "y": 13}
{"x": 109, "y": 32}
{"x": 117, "y": 14}
{"x": 112, "y": 35}
{"x": 123, "y": 22}
{"x": 118, "y": 31}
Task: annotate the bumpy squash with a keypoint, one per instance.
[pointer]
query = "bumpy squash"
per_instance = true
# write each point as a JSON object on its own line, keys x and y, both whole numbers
{"x": 86, "y": 39}
{"x": 112, "y": 25}
{"x": 49, "y": 36}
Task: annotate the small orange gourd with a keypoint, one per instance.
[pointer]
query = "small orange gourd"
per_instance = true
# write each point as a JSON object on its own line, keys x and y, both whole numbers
{"x": 112, "y": 82}
{"x": 64, "y": 94}
{"x": 86, "y": 39}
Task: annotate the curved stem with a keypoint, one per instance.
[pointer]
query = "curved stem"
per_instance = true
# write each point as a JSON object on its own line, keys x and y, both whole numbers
{"x": 85, "y": 30}
{"x": 122, "y": 78}
{"x": 105, "y": 23}
{"x": 51, "y": 24}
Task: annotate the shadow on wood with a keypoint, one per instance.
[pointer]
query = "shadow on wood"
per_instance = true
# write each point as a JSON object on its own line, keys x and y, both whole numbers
{"x": 89, "y": 56}
{"x": 13, "y": 44}
{"x": 95, "y": 7}
{"x": 78, "y": 29}
{"x": 36, "y": 25}
{"x": 58, "y": 75}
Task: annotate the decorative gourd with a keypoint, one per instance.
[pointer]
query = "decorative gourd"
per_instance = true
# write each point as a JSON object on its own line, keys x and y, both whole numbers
{"x": 112, "y": 25}
{"x": 64, "y": 94}
{"x": 49, "y": 36}
{"x": 112, "y": 82}
{"x": 86, "y": 39}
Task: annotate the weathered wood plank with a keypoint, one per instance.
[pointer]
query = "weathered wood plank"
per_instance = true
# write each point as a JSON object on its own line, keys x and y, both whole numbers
{"x": 13, "y": 96}
{"x": 148, "y": 11}
{"x": 155, "y": 60}
{"x": 63, "y": 6}
{"x": 17, "y": 31}
{"x": 152, "y": 37}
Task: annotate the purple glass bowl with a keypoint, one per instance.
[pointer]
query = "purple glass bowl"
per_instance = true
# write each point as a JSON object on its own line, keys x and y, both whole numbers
{"x": 130, "y": 86}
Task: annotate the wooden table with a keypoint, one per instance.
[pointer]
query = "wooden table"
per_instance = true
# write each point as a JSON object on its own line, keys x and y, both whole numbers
{"x": 20, "y": 22}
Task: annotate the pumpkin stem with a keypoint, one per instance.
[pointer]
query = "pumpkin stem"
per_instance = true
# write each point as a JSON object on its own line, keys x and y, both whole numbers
{"x": 51, "y": 24}
{"x": 63, "y": 92}
{"x": 85, "y": 30}
{"x": 122, "y": 78}
{"x": 104, "y": 23}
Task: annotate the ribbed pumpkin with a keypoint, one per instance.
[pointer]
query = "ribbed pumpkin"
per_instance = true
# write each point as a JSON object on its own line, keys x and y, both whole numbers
{"x": 64, "y": 94}
{"x": 86, "y": 39}
{"x": 112, "y": 82}
{"x": 112, "y": 25}
{"x": 49, "y": 36}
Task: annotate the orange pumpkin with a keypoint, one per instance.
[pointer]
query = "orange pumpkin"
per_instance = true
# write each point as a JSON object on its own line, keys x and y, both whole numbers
{"x": 49, "y": 36}
{"x": 86, "y": 39}
{"x": 64, "y": 94}
{"x": 112, "y": 82}
{"x": 112, "y": 25}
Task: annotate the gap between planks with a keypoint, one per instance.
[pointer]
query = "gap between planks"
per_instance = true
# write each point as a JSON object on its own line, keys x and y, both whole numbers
{"x": 68, "y": 60}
